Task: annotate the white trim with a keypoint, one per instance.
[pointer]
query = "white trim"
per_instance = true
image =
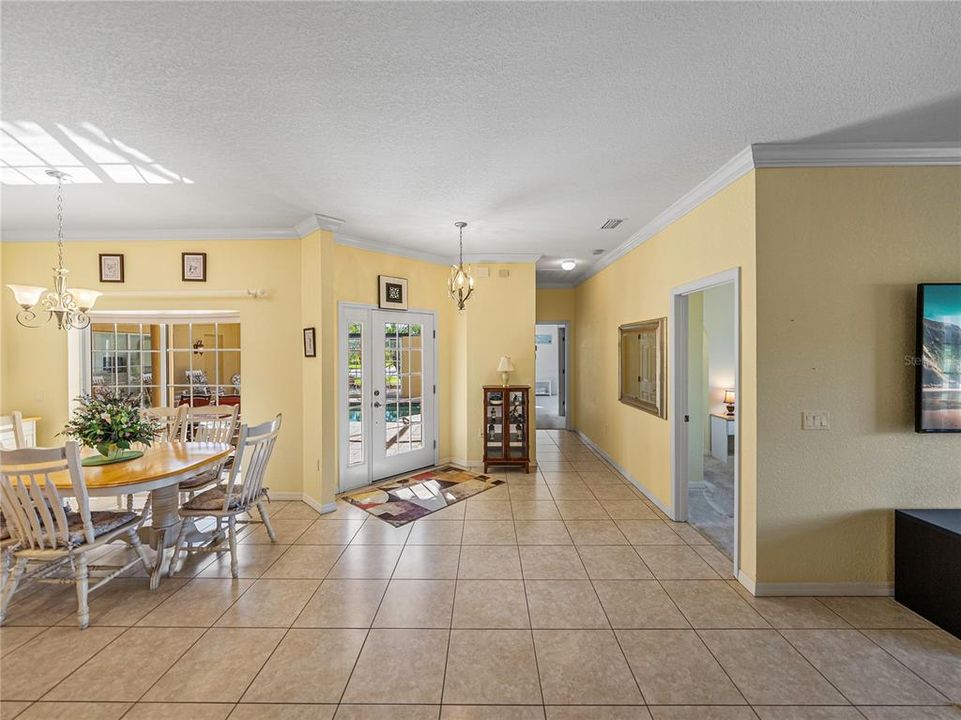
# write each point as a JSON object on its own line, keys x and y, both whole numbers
{"x": 436, "y": 258}
{"x": 315, "y": 222}
{"x": 165, "y": 316}
{"x": 677, "y": 371}
{"x": 246, "y": 294}
{"x": 747, "y": 582}
{"x": 304, "y": 498}
{"x": 876, "y": 589}
{"x": 138, "y": 234}
{"x": 768, "y": 155}
{"x": 566, "y": 324}
{"x": 556, "y": 285}
{"x": 626, "y": 475}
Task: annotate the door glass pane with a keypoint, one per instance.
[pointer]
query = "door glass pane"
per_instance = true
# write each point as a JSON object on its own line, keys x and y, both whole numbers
{"x": 355, "y": 394}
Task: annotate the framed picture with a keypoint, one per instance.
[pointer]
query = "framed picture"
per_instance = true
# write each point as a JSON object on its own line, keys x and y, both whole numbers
{"x": 111, "y": 268}
{"x": 937, "y": 359}
{"x": 194, "y": 267}
{"x": 643, "y": 371}
{"x": 310, "y": 344}
{"x": 393, "y": 292}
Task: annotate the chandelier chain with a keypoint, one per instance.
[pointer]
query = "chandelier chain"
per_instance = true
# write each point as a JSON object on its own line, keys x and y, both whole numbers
{"x": 60, "y": 221}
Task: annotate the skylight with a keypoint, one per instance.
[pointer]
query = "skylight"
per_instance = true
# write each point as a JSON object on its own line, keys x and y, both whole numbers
{"x": 86, "y": 153}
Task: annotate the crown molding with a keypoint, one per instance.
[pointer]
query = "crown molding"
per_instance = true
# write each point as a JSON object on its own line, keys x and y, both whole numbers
{"x": 556, "y": 286}
{"x": 316, "y": 221}
{"x": 146, "y": 235}
{"x": 388, "y": 249}
{"x": 783, "y": 155}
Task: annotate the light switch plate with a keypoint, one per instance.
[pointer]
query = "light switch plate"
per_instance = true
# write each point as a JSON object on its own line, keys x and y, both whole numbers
{"x": 815, "y": 420}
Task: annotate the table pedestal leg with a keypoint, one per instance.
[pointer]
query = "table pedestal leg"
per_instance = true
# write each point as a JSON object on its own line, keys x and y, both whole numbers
{"x": 164, "y": 527}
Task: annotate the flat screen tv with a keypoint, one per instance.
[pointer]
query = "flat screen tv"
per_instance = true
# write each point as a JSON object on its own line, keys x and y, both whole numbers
{"x": 938, "y": 359}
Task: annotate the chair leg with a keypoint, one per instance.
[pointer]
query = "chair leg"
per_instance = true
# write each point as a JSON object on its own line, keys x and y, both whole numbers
{"x": 266, "y": 521}
{"x": 232, "y": 534}
{"x": 178, "y": 546}
{"x": 130, "y": 503}
{"x": 83, "y": 585}
{"x": 133, "y": 538}
{"x": 10, "y": 586}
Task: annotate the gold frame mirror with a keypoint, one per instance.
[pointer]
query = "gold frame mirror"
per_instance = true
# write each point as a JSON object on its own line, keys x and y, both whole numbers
{"x": 642, "y": 367}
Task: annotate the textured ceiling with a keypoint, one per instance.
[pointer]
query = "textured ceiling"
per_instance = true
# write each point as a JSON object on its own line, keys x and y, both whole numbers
{"x": 533, "y": 122}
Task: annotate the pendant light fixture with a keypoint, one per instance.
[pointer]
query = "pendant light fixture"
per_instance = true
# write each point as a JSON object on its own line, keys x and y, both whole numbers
{"x": 460, "y": 285}
{"x": 68, "y": 307}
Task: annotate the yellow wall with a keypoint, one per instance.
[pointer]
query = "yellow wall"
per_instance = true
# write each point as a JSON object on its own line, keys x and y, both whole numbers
{"x": 718, "y": 235}
{"x": 840, "y": 252}
{"x": 34, "y": 368}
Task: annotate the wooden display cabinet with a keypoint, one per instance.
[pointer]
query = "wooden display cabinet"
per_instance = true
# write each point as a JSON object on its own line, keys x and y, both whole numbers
{"x": 507, "y": 415}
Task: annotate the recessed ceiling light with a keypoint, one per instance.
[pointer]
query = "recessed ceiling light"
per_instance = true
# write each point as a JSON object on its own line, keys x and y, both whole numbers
{"x": 568, "y": 264}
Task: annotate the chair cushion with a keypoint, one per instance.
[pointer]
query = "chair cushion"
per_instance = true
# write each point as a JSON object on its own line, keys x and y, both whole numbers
{"x": 213, "y": 499}
{"x": 103, "y": 521}
{"x": 4, "y": 531}
{"x": 200, "y": 480}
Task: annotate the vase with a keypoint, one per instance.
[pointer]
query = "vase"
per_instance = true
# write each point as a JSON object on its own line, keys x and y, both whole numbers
{"x": 113, "y": 455}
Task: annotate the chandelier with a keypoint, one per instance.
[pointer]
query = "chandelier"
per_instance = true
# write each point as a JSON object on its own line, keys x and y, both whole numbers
{"x": 68, "y": 307}
{"x": 460, "y": 285}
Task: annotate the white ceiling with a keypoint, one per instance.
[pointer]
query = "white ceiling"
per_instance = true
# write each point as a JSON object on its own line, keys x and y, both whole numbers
{"x": 533, "y": 122}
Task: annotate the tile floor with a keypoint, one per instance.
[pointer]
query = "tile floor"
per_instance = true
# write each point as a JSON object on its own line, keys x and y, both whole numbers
{"x": 563, "y": 595}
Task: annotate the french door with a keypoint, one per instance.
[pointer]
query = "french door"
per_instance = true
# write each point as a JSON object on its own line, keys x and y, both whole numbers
{"x": 388, "y": 422}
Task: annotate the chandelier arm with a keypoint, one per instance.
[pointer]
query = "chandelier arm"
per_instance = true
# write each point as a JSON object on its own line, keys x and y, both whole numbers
{"x": 29, "y": 319}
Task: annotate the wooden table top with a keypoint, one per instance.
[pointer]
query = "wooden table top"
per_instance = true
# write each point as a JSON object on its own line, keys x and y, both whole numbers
{"x": 159, "y": 461}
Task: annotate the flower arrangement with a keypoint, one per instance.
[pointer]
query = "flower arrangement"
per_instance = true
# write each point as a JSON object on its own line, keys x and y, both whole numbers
{"x": 111, "y": 424}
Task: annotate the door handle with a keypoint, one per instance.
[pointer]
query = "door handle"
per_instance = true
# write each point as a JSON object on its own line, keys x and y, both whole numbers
{"x": 376, "y": 404}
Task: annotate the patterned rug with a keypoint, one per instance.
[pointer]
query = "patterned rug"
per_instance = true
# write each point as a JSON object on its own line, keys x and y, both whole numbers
{"x": 399, "y": 502}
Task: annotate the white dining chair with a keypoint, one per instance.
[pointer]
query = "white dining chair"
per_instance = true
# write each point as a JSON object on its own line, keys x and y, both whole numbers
{"x": 209, "y": 423}
{"x": 48, "y": 534}
{"x": 171, "y": 420}
{"x": 13, "y": 424}
{"x": 243, "y": 491}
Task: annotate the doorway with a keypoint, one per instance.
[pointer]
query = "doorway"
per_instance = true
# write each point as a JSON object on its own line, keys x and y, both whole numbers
{"x": 550, "y": 382}
{"x": 705, "y": 369}
{"x": 388, "y": 408}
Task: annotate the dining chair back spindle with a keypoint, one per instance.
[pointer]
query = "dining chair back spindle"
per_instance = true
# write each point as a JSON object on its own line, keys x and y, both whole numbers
{"x": 14, "y": 422}
{"x": 171, "y": 421}
{"x": 47, "y": 533}
{"x": 211, "y": 423}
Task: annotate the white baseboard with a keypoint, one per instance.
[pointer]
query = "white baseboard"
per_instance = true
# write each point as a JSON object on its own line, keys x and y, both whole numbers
{"x": 747, "y": 582}
{"x": 822, "y": 589}
{"x": 626, "y": 475}
{"x": 306, "y": 499}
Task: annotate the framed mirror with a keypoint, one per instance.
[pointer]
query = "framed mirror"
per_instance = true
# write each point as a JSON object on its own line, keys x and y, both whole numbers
{"x": 643, "y": 366}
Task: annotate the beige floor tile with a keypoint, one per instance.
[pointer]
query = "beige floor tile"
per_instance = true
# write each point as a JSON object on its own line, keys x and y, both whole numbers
{"x": 298, "y": 510}
{"x": 13, "y": 637}
{"x": 489, "y": 532}
{"x": 309, "y": 666}
{"x": 289, "y": 711}
{"x": 613, "y": 562}
{"x": 50, "y": 657}
{"x": 46, "y": 605}
{"x": 673, "y": 667}
{"x": 581, "y": 510}
{"x": 649, "y": 532}
{"x": 551, "y": 562}
{"x": 638, "y": 604}
{"x": 425, "y": 656}
{"x": 123, "y": 601}
{"x": 793, "y": 612}
{"x": 125, "y": 669}
{"x": 497, "y": 510}
{"x": 270, "y": 603}
{"x": 490, "y": 604}
{"x": 602, "y": 477}
{"x": 492, "y": 712}
{"x": 416, "y": 604}
{"x": 598, "y": 712}
{"x": 252, "y": 561}
{"x": 428, "y": 562}
{"x": 165, "y": 711}
{"x": 810, "y": 712}
{"x": 613, "y": 491}
{"x": 571, "y": 491}
{"x": 287, "y": 530}
{"x": 305, "y": 562}
{"x": 488, "y": 667}
{"x": 366, "y": 561}
{"x": 345, "y": 511}
{"x": 330, "y": 532}
{"x": 675, "y": 562}
{"x": 564, "y": 604}
{"x": 524, "y": 497}
{"x": 911, "y": 713}
{"x": 500, "y": 493}
{"x": 452, "y": 512}
{"x": 875, "y": 612}
{"x": 595, "y": 532}
{"x": 542, "y": 532}
{"x": 386, "y": 712}
{"x": 199, "y": 603}
{"x": 549, "y": 468}
{"x": 689, "y": 534}
{"x": 218, "y": 667}
{"x": 719, "y": 562}
{"x": 865, "y": 673}
{"x": 74, "y": 710}
{"x": 378, "y": 532}
{"x": 9, "y": 709}
{"x": 583, "y": 667}
{"x": 489, "y": 562}
{"x": 933, "y": 654}
{"x": 442, "y": 532}
{"x": 712, "y": 604}
{"x": 343, "y": 603}
{"x": 767, "y": 670}
{"x": 628, "y": 509}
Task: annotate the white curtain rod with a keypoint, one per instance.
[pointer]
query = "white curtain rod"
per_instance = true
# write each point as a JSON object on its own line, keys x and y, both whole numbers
{"x": 248, "y": 294}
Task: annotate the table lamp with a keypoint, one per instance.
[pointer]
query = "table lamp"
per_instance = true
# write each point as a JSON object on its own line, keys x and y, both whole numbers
{"x": 729, "y": 401}
{"x": 505, "y": 368}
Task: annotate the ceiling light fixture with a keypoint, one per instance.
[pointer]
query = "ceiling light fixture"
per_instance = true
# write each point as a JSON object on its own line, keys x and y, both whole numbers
{"x": 460, "y": 285}
{"x": 568, "y": 265}
{"x": 68, "y": 307}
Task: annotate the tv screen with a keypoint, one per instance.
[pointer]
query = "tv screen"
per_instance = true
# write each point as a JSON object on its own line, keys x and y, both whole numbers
{"x": 938, "y": 363}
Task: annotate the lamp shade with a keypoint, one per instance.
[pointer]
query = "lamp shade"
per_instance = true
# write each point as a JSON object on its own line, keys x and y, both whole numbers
{"x": 27, "y": 295}
{"x": 84, "y": 298}
{"x": 505, "y": 364}
{"x": 728, "y": 397}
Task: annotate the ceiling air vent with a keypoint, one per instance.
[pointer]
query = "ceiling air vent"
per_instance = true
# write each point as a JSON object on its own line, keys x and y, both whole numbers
{"x": 611, "y": 223}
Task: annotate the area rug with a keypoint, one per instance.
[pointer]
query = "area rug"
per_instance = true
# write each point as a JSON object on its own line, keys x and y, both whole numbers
{"x": 399, "y": 502}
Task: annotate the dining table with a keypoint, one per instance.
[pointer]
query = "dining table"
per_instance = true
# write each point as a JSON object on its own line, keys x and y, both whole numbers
{"x": 159, "y": 471}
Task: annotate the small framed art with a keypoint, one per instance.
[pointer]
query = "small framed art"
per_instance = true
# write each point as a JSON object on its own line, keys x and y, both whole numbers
{"x": 111, "y": 268}
{"x": 310, "y": 342}
{"x": 194, "y": 267}
{"x": 393, "y": 292}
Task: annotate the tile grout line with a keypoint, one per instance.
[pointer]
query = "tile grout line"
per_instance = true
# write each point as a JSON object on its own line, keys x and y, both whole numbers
{"x": 450, "y": 627}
